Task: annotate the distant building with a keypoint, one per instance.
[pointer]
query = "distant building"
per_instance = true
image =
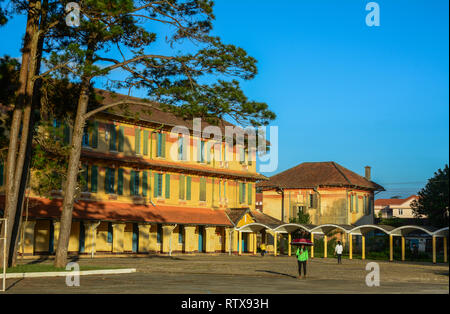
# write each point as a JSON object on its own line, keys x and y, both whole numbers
{"x": 259, "y": 202}
{"x": 328, "y": 192}
{"x": 390, "y": 208}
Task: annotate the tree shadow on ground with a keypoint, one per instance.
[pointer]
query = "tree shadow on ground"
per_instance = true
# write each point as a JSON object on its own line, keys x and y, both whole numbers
{"x": 39, "y": 260}
{"x": 275, "y": 273}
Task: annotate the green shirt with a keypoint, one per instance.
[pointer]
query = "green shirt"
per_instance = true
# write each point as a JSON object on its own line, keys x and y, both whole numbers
{"x": 302, "y": 255}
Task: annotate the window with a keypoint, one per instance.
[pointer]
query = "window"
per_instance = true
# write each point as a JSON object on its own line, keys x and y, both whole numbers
{"x": 161, "y": 142}
{"x": 134, "y": 182}
{"x": 94, "y": 177}
{"x": 158, "y": 233}
{"x": 94, "y": 142}
{"x": 120, "y": 181}
{"x": 242, "y": 155}
{"x": 241, "y": 192}
{"x": 85, "y": 179}
{"x": 121, "y": 138}
{"x": 137, "y": 141}
{"x": 167, "y": 186}
{"x": 311, "y": 200}
{"x": 400, "y": 211}
{"x": 182, "y": 185}
{"x": 351, "y": 203}
{"x": 250, "y": 191}
{"x": 110, "y": 233}
{"x": 202, "y": 196}
{"x": 146, "y": 142}
{"x": 188, "y": 188}
{"x": 112, "y": 137}
{"x": 180, "y": 234}
{"x": 157, "y": 191}
{"x": 357, "y": 203}
{"x": 181, "y": 148}
{"x": 109, "y": 181}
{"x": 202, "y": 151}
{"x": 144, "y": 183}
{"x": 85, "y": 141}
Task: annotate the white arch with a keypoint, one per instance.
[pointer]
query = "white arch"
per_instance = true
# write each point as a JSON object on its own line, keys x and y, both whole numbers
{"x": 443, "y": 232}
{"x": 253, "y": 227}
{"x": 326, "y": 228}
{"x": 360, "y": 230}
{"x": 290, "y": 227}
{"x": 404, "y": 230}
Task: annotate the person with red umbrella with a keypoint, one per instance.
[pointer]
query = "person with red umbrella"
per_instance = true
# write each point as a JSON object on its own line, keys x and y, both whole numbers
{"x": 302, "y": 255}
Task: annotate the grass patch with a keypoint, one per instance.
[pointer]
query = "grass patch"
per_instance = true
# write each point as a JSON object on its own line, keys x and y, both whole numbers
{"x": 36, "y": 268}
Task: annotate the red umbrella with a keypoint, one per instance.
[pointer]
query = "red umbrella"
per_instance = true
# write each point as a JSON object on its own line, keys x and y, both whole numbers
{"x": 302, "y": 242}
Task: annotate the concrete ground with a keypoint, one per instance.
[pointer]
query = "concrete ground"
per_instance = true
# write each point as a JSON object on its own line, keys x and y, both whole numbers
{"x": 204, "y": 274}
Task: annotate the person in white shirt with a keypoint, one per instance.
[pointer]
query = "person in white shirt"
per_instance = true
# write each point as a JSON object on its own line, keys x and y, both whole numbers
{"x": 338, "y": 251}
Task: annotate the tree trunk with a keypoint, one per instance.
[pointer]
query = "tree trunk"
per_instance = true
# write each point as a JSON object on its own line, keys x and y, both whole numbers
{"x": 33, "y": 88}
{"x": 12, "y": 181}
{"x": 72, "y": 176}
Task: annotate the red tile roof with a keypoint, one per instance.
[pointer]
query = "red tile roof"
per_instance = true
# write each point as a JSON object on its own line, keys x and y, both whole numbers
{"x": 393, "y": 201}
{"x": 126, "y": 212}
{"x": 315, "y": 174}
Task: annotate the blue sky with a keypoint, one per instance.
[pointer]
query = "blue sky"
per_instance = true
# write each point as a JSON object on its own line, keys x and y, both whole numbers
{"x": 343, "y": 91}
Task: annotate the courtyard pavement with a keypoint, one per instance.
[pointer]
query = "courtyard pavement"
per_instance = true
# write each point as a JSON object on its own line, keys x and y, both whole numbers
{"x": 204, "y": 274}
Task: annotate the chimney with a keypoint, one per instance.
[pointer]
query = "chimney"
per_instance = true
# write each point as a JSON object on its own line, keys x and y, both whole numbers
{"x": 367, "y": 176}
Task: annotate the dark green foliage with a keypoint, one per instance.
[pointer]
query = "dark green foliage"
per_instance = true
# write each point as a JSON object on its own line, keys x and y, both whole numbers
{"x": 302, "y": 218}
{"x": 433, "y": 200}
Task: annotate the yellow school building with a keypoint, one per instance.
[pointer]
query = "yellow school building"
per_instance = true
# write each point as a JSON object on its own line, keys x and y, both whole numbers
{"x": 145, "y": 190}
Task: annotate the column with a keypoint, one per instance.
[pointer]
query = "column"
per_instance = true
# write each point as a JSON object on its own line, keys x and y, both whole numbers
{"x": 445, "y": 250}
{"x": 228, "y": 238}
{"x": 210, "y": 238}
{"x": 391, "y": 247}
{"x": 56, "y": 230}
{"x": 91, "y": 236}
{"x": 325, "y": 242}
{"x": 312, "y": 246}
{"x": 27, "y": 247}
{"x": 255, "y": 243}
{"x": 274, "y": 244}
{"x": 363, "y": 247}
{"x": 167, "y": 231}
{"x": 350, "y": 246}
{"x": 289, "y": 244}
{"x": 434, "y": 250}
{"x": 240, "y": 242}
{"x": 403, "y": 248}
{"x": 153, "y": 239}
{"x": 189, "y": 239}
{"x": 144, "y": 237}
{"x": 118, "y": 237}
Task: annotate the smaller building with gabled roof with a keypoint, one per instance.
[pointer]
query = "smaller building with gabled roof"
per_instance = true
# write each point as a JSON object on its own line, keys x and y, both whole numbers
{"x": 395, "y": 207}
{"x": 327, "y": 191}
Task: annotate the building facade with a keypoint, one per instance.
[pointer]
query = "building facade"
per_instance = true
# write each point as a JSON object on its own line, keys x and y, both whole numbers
{"x": 398, "y": 208}
{"x": 326, "y": 191}
{"x": 145, "y": 189}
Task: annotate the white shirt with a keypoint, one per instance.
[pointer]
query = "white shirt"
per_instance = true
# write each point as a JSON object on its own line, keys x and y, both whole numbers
{"x": 339, "y": 248}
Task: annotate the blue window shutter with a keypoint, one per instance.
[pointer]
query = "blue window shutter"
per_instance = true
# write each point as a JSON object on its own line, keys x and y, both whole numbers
{"x": 167, "y": 186}
{"x": 132, "y": 187}
{"x": 121, "y": 138}
{"x": 163, "y": 145}
{"x": 136, "y": 182}
{"x": 137, "y": 140}
{"x": 120, "y": 181}
{"x": 94, "y": 143}
{"x": 144, "y": 183}
{"x": 145, "y": 142}
{"x": 188, "y": 188}
{"x": 94, "y": 178}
